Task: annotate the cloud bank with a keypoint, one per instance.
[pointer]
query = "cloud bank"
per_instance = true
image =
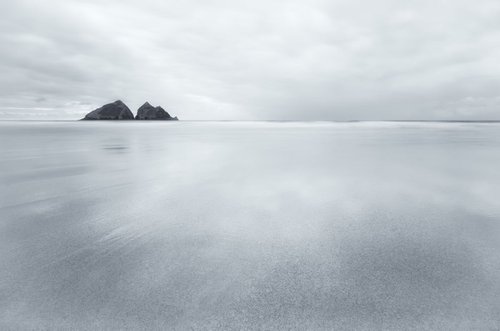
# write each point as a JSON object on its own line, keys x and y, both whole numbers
{"x": 258, "y": 60}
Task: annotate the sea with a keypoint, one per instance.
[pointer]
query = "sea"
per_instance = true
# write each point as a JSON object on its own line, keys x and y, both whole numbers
{"x": 192, "y": 225}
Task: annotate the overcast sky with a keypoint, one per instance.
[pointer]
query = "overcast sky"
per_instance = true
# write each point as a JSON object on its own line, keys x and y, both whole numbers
{"x": 260, "y": 59}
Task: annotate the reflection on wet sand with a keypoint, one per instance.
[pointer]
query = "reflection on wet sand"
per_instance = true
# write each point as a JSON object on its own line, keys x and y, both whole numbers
{"x": 249, "y": 226}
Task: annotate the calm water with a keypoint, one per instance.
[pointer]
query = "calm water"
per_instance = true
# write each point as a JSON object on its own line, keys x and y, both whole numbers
{"x": 227, "y": 225}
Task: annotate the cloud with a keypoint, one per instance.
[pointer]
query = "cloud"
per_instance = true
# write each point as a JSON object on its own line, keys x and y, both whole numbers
{"x": 261, "y": 60}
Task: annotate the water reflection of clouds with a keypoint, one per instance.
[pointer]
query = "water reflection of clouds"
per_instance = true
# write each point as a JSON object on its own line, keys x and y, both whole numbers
{"x": 268, "y": 227}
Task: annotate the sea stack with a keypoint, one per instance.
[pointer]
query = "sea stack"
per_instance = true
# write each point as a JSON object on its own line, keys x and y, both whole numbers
{"x": 112, "y": 111}
{"x": 148, "y": 112}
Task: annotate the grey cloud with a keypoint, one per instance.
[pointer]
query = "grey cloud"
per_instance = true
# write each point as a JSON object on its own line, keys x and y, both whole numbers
{"x": 260, "y": 60}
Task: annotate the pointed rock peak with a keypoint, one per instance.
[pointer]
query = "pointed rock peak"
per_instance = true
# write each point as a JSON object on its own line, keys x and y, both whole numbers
{"x": 145, "y": 106}
{"x": 112, "y": 111}
{"x": 148, "y": 112}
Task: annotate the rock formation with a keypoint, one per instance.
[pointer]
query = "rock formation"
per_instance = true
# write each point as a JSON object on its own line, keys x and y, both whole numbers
{"x": 112, "y": 111}
{"x": 148, "y": 112}
{"x": 119, "y": 111}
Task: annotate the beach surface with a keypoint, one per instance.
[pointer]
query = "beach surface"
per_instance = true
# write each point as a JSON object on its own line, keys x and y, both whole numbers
{"x": 249, "y": 225}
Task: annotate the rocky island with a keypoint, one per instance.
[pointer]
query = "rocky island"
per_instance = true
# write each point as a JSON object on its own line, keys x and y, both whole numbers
{"x": 148, "y": 112}
{"x": 119, "y": 111}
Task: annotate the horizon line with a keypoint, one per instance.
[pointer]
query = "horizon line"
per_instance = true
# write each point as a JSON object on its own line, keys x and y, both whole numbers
{"x": 281, "y": 120}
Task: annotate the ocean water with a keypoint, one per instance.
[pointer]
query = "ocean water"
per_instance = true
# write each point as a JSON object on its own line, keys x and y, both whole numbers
{"x": 249, "y": 225}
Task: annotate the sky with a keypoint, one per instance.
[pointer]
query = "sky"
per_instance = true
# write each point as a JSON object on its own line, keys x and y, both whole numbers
{"x": 252, "y": 60}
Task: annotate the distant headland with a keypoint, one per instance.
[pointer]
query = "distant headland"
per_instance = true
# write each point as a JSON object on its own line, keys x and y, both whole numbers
{"x": 119, "y": 111}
